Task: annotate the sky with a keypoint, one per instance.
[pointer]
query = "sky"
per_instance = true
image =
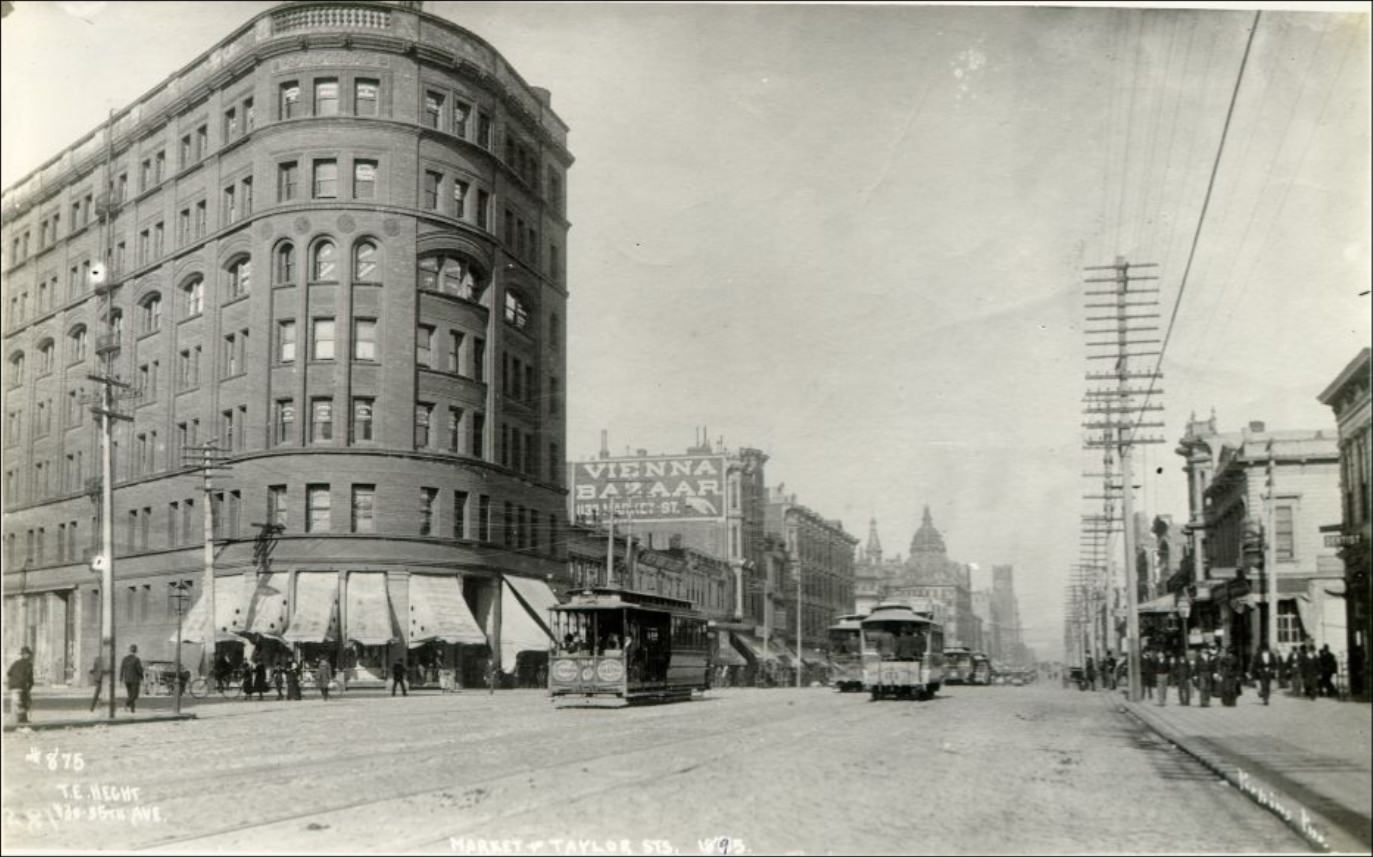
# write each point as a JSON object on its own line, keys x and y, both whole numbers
{"x": 853, "y": 236}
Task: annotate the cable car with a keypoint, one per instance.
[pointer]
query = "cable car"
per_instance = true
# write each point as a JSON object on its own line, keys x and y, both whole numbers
{"x": 616, "y": 647}
{"x": 982, "y": 669}
{"x": 845, "y": 653}
{"x": 958, "y": 665}
{"x": 903, "y": 653}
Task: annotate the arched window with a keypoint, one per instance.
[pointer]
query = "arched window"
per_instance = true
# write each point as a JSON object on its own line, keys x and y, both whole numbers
{"x": 365, "y": 268}
{"x": 193, "y": 297}
{"x": 451, "y": 275}
{"x": 150, "y": 313}
{"x": 285, "y": 269}
{"x": 16, "y": 368}
{"x": 324, "y": 264}
{"x": 516, "y": 310}
{"x": 45, "y": 350}
{"x": 240, "y": 274}
{"x": 77, "y": 342}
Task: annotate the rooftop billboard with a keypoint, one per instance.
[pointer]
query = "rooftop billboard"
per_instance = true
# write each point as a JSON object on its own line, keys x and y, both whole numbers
{"x": 647, "y": 489}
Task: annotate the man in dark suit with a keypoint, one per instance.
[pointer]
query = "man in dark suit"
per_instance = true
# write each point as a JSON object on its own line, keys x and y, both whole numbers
{"x": 20, "y": 680}
{"x": 1206, "y": 664}
{"x": 1265, "y": 666}
{"x": 131, "y": 674}
{"x": 1181, "y": 676}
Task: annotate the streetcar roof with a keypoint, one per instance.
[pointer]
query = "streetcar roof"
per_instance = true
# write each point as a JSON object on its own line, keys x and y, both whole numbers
{"x": 610, "y": 598}
{"x": 848, "y": 623}
{"x": 895, "y": 613}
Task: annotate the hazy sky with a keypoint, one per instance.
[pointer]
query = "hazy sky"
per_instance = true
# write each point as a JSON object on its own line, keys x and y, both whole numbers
{"x": 852, "y": 236}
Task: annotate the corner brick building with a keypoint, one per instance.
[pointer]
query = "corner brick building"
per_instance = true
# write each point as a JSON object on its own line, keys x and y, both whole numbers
{"x": 336, "y": 247}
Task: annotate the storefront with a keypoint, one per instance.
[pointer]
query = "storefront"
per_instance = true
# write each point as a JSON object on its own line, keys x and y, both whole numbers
{"x": 314, "y": 624}
{"x": 524, "y": 629}
{"x": 442, "y": 631}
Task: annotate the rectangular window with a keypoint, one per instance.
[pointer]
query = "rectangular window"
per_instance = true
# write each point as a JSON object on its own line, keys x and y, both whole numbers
{"x": 247, "y": 196}
{"x": 454, "y": 429}
{"x": 483, "y": 208}
{"x": 326, "y": 97}
{"x": 286, "y": 342}
{"x": 364, "y": 179}
{"x": 364, "y": 339}
{"x": 555, "y": 468}
{"x": 459, "y": 514}
{"x": 284, "y": 421}
{"x": 424, "y": 346}
{"x": 429, "y": 501}
{"x": 230, "y": 124}
{"x": 228, "y": 206}
{"x": 158, "y": 234}
{"x": 200, "y": 219}
{"x": 276, "y": 505}
{"x": 483, "y": 130}
{"x": 363, "y": 514}
{"x": 288, "y": 174}
{"x": 229, "y": 363}
{"x": 479, "y": 359}
{"x": 365, "y": 94}
{"x": 317, "y": 509}
{"x": 323, "y": 339}
{"x": 454, "y": 351}
{"x": 184, "y": 160}
{"x": 249, "y": 116}
{"x": 484, "y": 518}
{"x": 290, "y": 100}
{"x": 431, "y": 189}
{"x": 509, "y": 521}
{"x": 160, "y": 166}
{"x": 433, "y": 108}
{"x": 202, "y": 142}
{"x": 460, "y": 199}
{"x": 1283, "y": 543}
{"x": 362, "y": 419}
{"x": 321, "y": 420}
{"x": 326, "y": 179}
{"x": 226, "y": 429}
{"x": 479, "y": 435}
{"x": 424, "y": 415}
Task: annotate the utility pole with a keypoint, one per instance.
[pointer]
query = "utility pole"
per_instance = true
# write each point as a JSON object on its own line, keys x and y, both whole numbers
{"x": 178, "y": 596}
{"x": 1119, "y": 412}
{"x": 800, "y": 611}
{"x": 207, "y": 459}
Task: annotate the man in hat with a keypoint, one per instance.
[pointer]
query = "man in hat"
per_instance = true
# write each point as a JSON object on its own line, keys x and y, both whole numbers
{"x": 131, "y": 673}
{"x": 20, "y": 678}
{"x": 1182, "y": 677}
{"x": 1206, "y": 675}
{"x": 1265, "y": 666}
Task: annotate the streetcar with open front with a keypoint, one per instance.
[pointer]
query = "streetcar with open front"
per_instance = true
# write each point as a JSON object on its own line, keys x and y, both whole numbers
{"x": 958, "y": 665}
{"x": 903, "y": 653}
{"x": 982, "y": 669}
{"x": 615, "y": 647}
{"x": 846, "y": 653}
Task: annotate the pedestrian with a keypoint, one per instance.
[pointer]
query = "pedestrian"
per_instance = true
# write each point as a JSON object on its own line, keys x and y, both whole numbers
{"x": 1229, "y": 678}
{"x": 131, "y": 674}
{"x": 1162, "y": 672}
{"x": 398, "y": 678}
{"x": 1266, "y": 664}
{"x": 1091, "y": 673}
{"x": 1147, "y": 677}
{"x": 323, "y": 674}
{"x": 279, "y": 676}
{"x": 1206, "y": 674}
{"x": 98, "y": 679}
{"x": 292, "y": 681}
{"x": 20, "y": 679}
{"x": 260, "y": 679}
{"x": 1181, "y": 676}
{"x": 1329, "y": 666}
{"x": 1310, "y": 669}
{"x": 1294, "y": 670}
{"x": 223, "y": 669}
{"x": 248, "y": 682}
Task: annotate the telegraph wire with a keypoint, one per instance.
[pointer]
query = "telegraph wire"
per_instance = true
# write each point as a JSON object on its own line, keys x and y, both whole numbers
{"x": 1143, "y": 227}
{"x": 1201, "y": 218}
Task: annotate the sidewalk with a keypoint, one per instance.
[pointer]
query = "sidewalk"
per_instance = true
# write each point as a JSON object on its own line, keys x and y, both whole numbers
{"x": 1307, "y": 761}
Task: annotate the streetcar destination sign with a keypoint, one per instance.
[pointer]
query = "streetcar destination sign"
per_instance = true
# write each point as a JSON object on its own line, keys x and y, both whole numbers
{"x": 666, "y": 488}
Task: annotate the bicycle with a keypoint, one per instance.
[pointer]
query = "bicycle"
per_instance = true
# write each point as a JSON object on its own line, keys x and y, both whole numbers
{"x": 231, "y": 687}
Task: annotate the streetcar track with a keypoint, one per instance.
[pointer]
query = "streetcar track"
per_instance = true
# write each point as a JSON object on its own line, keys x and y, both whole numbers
{"x": 732, "y": 728}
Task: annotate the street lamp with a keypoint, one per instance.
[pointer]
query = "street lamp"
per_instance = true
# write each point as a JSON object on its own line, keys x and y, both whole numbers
{"x": 178, "y": 595}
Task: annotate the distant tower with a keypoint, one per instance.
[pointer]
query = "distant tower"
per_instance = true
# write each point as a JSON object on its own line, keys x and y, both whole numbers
{"x": 873, "y": 552}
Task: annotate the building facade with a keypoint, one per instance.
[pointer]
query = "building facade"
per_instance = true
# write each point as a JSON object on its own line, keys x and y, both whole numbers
{"x": 335, "y": 246}
{"x": 820, "y": 560}
{"x": 1348, "y": 396}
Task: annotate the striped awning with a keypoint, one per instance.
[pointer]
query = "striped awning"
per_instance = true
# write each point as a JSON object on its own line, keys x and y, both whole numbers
{"x": 438, "y": 611}
{"x": 270, "y": 608}
{"x": 369, "y": 609}
{"x": 314, "y": 618}
{"x": 524, "y": 618}
{"x": 233, "y": 594}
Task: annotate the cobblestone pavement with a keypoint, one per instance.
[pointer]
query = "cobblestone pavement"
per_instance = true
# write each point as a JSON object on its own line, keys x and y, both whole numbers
{"x": 996, "y": 770}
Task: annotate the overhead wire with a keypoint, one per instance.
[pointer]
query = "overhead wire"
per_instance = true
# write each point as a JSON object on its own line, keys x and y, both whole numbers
{"x": 1201, "y": 220}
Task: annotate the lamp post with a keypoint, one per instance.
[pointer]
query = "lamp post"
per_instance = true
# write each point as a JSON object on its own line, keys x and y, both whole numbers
{"x": 178, "y": 595}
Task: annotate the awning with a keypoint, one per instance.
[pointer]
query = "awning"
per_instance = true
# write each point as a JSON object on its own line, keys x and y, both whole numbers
{"x": 438, "y": 611}
{"x": 269, "y": 612}
{"x": 315, "y": 615}
{"x": 1162, "y": 604}
{"x": 232, "y": 597}
{"x": 754, "y": 646}
{"x": 725, "y": 652}
{"x": 369, "y": 609}
{"x": 523, "y": 629}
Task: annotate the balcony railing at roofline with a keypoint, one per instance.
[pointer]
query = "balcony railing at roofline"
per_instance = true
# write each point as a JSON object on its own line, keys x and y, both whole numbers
{"x": 331, "y": 17}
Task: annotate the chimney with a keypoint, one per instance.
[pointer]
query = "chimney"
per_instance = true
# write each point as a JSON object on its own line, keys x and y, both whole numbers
{"x": 605, "y": 448}
{"x": 674, "y": 542}
{"x": 642, "y": 453}
{"x": 1256, "y": 426}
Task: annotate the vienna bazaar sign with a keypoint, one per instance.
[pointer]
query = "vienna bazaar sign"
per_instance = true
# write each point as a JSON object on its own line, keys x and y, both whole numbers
{"x": 671, "y": 488}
